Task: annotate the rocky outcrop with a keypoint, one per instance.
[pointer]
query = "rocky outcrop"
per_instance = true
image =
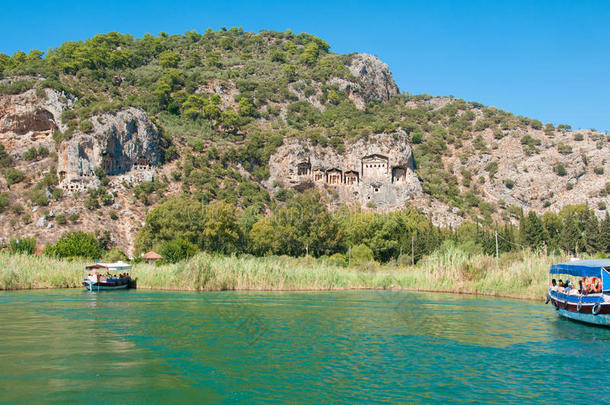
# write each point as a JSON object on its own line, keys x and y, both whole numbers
{"x": 30, "y": 117}
{"x": 374, "y": 172}
{"x": 124, "y": 144}
{"x": 377, "y": 81}
{"x": 374, "y": 81}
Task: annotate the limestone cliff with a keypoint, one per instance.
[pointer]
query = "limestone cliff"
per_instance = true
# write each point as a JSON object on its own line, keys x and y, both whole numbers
{"x": 374, "y": 172}
{"x": 374, "y": 81}
{"x": 124, "y": 144}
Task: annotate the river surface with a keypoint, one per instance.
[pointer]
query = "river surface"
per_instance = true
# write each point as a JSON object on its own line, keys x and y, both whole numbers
{"x": 71, "y": 346}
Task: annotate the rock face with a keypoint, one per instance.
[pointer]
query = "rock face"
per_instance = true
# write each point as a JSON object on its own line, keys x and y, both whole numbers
{"x": 28, "y": 117}
{"x": 376, "y": 172}
{"x": 375, "y": 82}
{"x": 375, "y": 75}
{"x": 124, "y": 144}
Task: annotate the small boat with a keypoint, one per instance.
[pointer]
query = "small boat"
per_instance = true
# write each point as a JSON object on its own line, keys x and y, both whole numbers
{"x": 591, "y": 308}
{"x": 106, "y": 276}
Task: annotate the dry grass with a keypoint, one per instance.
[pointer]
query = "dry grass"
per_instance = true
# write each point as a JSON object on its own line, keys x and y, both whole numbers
{"x": 516, "y": 274}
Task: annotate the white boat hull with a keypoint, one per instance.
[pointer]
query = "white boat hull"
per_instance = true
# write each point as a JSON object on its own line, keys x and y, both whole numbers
{"x": 601, "y": 319}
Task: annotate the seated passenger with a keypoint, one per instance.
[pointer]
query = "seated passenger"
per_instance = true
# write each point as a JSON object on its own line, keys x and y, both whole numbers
{"x": 561, "y": 287}
{"x": 581, "y": 287}
{"x": 568, "y": 286}
{"x": 553, "y": 285}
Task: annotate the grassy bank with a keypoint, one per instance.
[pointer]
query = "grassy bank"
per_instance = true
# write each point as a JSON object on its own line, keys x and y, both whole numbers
{"x": 520, "y": 275}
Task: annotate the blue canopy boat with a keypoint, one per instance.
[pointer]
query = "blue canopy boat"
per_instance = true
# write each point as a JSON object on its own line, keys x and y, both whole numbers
{"x": 590, "y": 308}
{"x": 104, "y": 276}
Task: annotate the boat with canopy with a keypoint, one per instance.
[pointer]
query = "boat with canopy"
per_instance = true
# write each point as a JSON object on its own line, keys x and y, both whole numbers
{"x": 107, "y": 276}
{"x": 587, "y": 300}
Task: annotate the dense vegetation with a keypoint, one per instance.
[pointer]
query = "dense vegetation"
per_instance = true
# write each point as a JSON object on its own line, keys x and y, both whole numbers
{"x": 226, "y": 99}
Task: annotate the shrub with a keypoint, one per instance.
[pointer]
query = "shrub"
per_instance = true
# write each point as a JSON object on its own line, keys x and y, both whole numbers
{"x": 75, "y": 244}
{"x": 509, "y": 183}
{"x": 86, "y": 126}
{"x": 13, "y": 176}
{"x": 61, "y": 219}
{"x": 361, "y": 254}
{"x": 23, "y": 245}
{"x": 598, "y": 170}
{"x": 73, "y": 218}
{"x": 43, "y": 152}
{"x": 337, "y": 259}
{"x": 563, "y": 148}
{"x": 4, "y": 201}
{"x": 601, "y": 206}
{"x": 17, "y": 209}
{"x": 114, "y": 255}
{"x": 5, "y": 159}
{"x": 578, "y": 137}
{"x": 560, "y": 170}
{"x": 113, "y": 215}
{"x": 176, "y": 250}
{"x": 39, "y": 197}
{"x": 31, "y": 154}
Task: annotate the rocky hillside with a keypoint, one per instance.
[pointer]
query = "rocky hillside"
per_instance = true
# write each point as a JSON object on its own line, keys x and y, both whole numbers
{"x": 95, "y": 133}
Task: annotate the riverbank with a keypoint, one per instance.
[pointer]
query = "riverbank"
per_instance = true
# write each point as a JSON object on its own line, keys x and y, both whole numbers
{"x": 521, "y": 275}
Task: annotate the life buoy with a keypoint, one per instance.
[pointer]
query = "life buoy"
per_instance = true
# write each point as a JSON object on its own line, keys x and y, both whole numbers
{"x": 597, "y": 286}
{"x": 597, "y": 308}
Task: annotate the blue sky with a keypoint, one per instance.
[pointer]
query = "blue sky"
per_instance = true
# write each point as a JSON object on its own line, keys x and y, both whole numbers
{"x": 544, "y": 59}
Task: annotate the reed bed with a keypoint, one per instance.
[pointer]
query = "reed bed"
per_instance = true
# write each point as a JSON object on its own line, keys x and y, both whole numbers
{"x": 516, "y": 274}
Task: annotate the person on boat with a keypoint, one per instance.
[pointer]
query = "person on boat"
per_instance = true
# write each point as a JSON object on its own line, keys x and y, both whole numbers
{"x": 581, "y": 287}
{"x": 553, "y": 285}
{"x": 568, "y": 287}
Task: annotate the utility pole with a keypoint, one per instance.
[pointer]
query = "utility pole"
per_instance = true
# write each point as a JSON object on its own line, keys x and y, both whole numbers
{"x": 412, "y": 250}
{"x": 497, "y": 250}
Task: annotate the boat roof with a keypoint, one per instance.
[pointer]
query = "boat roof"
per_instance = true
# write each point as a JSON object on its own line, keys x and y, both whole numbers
{"x": 582, "y": 268}
{"x": 110, "y": 266}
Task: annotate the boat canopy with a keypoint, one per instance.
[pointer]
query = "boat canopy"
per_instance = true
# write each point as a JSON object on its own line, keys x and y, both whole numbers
{"x": 582, "y": 268}
{"x": 118, "y": 266}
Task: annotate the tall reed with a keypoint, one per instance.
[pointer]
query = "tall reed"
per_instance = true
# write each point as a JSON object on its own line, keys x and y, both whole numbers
{"x": 451, "y": 269}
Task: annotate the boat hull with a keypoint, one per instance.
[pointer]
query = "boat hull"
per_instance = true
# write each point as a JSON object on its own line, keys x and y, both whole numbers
{"x": 90, "y": 286}
{"x": 582, "y": 309}
{"x": 600, "y": 319}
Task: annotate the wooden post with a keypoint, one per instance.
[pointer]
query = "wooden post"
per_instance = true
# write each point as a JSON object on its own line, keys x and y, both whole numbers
{"x": 497, "y": 250}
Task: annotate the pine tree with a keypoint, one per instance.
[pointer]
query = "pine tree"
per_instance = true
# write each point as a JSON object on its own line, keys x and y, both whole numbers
{"x": 532, "y": 231}
{"x": 592, "y": 235}
{"x": 604, "y": 234}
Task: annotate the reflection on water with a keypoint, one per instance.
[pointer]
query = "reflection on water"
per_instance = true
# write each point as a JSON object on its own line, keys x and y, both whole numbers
{"x": 363, "y": 346}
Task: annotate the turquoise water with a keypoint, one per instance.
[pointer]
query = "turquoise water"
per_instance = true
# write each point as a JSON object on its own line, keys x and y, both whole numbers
{"x": 355, "y": 346}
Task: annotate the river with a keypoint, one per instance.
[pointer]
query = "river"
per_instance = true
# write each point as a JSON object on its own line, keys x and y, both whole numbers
{"x": 352, "y": 346}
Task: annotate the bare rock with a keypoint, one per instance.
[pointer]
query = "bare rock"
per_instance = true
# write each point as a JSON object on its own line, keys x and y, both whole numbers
{"x": 124, "y": 144}
{"x": 375, "y": 172}
{"x": 377, "y": 81}
{"x": 42, "y": 222}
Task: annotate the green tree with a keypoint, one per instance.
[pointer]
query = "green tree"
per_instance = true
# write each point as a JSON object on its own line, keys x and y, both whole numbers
{"x": 532, "y": 231}
{"x": 169, "y": 59}
{"x": 222, "y": 232}
{"x": 176, "y": 250}
{"x": 75, "y": 244}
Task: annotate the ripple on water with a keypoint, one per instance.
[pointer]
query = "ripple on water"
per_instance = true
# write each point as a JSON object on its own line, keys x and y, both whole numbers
{"x": 351, "y": 346}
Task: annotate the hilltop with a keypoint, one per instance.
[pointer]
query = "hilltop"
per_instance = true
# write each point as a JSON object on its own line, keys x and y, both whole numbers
{"x": 95, "y": 133}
